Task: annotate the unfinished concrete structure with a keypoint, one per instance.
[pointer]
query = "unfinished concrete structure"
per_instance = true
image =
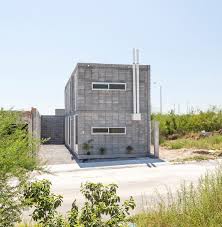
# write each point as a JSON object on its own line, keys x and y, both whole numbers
{"x": 108, "y": 106}
{"x": 33, "y": 120}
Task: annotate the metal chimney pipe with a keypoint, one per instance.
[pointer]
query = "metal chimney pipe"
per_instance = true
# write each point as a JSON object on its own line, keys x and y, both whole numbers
{"x": 134, "y": 55}
{"x": 134, "y": 81}
{"x": 137, "y": 83}
{"x": 137, "y": 56}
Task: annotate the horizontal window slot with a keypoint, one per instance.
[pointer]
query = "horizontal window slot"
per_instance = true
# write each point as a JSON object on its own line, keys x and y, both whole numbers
{"x": 108, "y": 86}
{"x": 100, "y": 130}
{"x": 117, "y": 86}
{"x": 108, "y": 130}
{"x": 100, "y": 86}
{"x": 117, "y": 130}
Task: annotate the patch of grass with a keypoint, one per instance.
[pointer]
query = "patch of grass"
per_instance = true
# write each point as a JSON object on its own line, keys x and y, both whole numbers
{"x": 210, "y": 143}
{"x": 176, "y": 145}
{"x": 194, "y": 158}
{"x": 190, "y": 206}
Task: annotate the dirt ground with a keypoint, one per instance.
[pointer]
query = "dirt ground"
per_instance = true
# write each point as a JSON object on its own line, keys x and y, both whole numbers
{"x": 180, "y": 154}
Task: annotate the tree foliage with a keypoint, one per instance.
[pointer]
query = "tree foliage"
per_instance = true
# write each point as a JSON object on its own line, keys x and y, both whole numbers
{"x": 38, "y": 195}
{"x": 182, "y": 124}
{"x": 102, "y": 207}
{"x": 16, "y": 161}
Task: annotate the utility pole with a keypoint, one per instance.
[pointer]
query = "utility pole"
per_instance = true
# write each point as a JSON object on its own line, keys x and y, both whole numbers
{"x": 161, "y": 96}
{"x": 161, "y": 100}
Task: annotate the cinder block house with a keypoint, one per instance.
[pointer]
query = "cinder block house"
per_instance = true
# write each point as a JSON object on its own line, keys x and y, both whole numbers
{"x": 107, "y": 110}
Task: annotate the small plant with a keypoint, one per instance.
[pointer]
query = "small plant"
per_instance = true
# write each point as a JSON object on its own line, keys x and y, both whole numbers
{"x": 102, "y": 201}
{"x": 102, "y": 150}
{"x": 38, "y": 195}
{"x": 87, "y": 146}
{"x": 129, "y": 149}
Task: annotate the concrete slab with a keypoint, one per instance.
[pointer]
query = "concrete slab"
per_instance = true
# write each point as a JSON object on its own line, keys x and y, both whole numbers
{"x": 55, "y": 154}
{"x": 57, "y": 158}
{"x": 107, "y": 164}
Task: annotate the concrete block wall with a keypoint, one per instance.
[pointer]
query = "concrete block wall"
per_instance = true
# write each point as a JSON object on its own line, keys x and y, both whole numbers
{"x": 109, "y": 109}
{"x": 33, "y": 120}
{"x": 53, "y": 127}
{"x": 59, "y": 112}
{"x": 36, "y": 124}
{"x": 136, "y": 134}
{"x": 119, "y": 101}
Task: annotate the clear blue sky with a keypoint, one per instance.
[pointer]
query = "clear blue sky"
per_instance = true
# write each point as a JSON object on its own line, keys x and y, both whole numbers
{"x": 41, "y": 41}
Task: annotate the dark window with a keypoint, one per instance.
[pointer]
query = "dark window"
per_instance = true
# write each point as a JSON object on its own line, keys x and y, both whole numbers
{"x": 117, "y": 86}
{"x": 76, "y": 129}
{"x": 100, "y": 86}
{"x": 69, "y": 128}
{"x": 100, "y": 130}
{"x": 117, "y": 130}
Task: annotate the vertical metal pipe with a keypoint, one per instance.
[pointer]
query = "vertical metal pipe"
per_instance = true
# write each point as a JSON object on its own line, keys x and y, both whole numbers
{"x": 137, "y": 83}
{"x": 134, "y": 81}
{"x": 137, "y": 56}
{"x": 134, "y": 55}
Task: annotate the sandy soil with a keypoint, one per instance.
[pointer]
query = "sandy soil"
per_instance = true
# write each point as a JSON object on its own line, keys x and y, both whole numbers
{"x": 172, "y": 155}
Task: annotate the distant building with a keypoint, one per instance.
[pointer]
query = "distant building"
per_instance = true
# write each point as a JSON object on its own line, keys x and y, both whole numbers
{"x": 108, "y": 106}
{"x": 59, "y": 112}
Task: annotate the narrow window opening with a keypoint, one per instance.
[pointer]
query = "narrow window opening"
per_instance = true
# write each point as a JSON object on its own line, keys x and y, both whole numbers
{"x": 76, "y": 128}
{"x": 117, "y": 130}
{"x": 100, "y": 86}
{"x": 108, "y": 86}
{"x": 109, "y": 130}
{"x": 117, "y": 86}
{"x": 100, "y": 130}
{"x": 69, "y": 128}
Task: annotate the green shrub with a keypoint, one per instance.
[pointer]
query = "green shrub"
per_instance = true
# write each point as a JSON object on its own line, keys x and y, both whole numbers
{"x": 101, "y": 201}
{"x": 38, "y": 195}
{"x": 102, "y": 150}
{"x": 87, "y": 146}
{"x": 129, "y": 149}
{"x": 17, "y": 159}
{"x": 171, "y": 123}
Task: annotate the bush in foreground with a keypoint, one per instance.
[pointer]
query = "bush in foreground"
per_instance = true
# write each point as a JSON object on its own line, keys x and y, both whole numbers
{"x": 17, "y": 160}
{"x": 191, "y": 206}
{"x": 101, "y": 209}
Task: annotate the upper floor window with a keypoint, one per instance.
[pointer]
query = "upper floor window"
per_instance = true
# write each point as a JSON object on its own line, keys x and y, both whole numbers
{"x": 108, "y": 86}
{"x": 99, "y": 86}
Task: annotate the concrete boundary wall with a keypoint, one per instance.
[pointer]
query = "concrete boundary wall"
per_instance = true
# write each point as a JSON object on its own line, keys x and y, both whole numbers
{"x": 36, "y": 124}
{"x": 53, "y": 129}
